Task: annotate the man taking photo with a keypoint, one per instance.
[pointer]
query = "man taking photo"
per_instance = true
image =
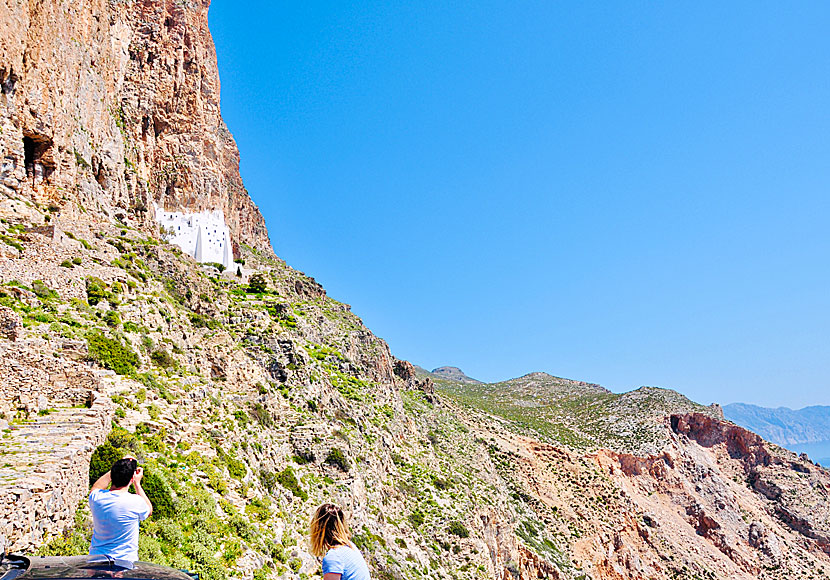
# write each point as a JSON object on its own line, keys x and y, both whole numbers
{"x": 116, "y": 512}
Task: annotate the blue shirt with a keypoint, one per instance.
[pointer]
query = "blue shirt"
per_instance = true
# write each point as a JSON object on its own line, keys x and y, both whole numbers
{"x": 115, "y": 518}
{"x": 346, "y": 561}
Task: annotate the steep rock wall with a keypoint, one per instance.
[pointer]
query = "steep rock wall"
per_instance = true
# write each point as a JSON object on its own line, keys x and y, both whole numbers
{"x": 107, "y": 106}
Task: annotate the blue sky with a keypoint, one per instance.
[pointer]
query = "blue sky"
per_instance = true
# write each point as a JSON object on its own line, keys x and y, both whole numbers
{"x": 625, "y": 193}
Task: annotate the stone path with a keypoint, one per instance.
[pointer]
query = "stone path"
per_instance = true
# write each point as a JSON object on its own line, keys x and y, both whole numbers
{"x": 44, "y": 471}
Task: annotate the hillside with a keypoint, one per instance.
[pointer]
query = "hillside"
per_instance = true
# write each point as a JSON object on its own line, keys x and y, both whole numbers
{"x": 251, "y": 396}
{"x": 447, "y": 373}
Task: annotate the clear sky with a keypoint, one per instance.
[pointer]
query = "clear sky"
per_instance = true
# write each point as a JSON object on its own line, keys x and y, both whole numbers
{"x": 629, "y": 193}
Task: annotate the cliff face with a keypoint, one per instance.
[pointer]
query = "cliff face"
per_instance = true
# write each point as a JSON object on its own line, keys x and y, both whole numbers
{"x": 108, "y": 106}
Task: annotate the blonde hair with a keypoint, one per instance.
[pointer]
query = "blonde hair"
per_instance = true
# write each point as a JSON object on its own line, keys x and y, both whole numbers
{"x": 328, "y": 529}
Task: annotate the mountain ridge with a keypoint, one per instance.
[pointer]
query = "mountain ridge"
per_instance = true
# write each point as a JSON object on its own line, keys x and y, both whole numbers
{"x": 783, "y": 425}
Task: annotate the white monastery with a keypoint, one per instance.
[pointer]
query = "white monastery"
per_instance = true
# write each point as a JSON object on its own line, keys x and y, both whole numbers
{"x": 203, "y": 235}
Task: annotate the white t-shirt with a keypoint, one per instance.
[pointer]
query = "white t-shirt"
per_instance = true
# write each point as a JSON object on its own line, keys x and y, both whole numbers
{"x": 115, "y": 517}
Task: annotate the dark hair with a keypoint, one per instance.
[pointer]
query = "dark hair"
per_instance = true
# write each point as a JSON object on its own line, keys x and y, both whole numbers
{"x": 122, "y": 472}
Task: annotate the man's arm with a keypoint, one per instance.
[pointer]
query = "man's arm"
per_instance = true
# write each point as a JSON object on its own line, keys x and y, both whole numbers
{"x": 139, "y": 473}
{"x": 331, "y": 576}
{"x": 102, "y": 483}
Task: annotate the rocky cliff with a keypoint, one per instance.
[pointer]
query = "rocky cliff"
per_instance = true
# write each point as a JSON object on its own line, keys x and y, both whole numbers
{"x": 252, "y": 397}
{"x": 108, "y": 106}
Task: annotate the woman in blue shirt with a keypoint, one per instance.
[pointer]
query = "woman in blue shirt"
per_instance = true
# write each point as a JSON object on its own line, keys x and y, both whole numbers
{"x": 330, "y": 539}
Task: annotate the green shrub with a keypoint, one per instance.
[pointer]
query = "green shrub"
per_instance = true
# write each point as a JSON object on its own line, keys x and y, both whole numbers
{"x": 67, "y": 264}
{"x": 242, "y": 527}
{"x": 119, "y": 443}
{"x": 159, "y": 493}
{"x": 200, "y": 321}
{"x": 261, "y": 415}
{"x": 111, "y": 353}
{"x": 257, "y": 284}
{"x": 268, "y": 479}
{"x": 112, "y": 318}
{"x": 41, "y": 290}
{"x": 288, "y": 480}
{"x": 259, "y": 509}
{"x": 236, "y": 467}
{"x": 274, "y": 549}
{"x": 163, "y": 359}
{"x": 72, "y": 541}
{"x": 241, "y": 417}
{"x": 77, "y": 260}
{"x": 96, "y": 290}
{"x": 416, "y": 518}
{"x": 337, "y": 458}
{"x": 458, "y": 529}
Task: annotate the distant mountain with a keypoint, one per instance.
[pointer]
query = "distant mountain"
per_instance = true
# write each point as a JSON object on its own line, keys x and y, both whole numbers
{"x": 449, "y": 374}
{"x": 783, "y": 426}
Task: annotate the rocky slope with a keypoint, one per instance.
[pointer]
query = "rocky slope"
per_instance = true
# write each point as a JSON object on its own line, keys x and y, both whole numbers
{"x": 448, "y": 373}
{"x": 251, "y": 403}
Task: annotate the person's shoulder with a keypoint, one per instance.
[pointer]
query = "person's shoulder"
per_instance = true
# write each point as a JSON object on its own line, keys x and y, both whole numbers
{"x": 136, "y": 500}
{"x": 333, "y": 561}
{"x": 96, "y": 494}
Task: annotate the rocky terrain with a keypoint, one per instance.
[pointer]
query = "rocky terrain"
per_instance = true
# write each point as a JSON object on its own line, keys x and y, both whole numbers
{"x": 251, "y": 396}
{"x": 448, "y": 373}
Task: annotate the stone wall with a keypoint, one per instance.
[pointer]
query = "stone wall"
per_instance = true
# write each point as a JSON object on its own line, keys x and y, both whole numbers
{"x": 45, "y": 472}
{"x": 34, "y": 379}
{"x": 56, "y": 412}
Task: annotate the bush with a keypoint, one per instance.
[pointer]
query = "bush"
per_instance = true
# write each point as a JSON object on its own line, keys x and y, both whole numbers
{"x": 163, "y": 359}
{"x": 159, "y": 493}
{"x": 111, "y": 353}
{"x": 257, "y": 284}
{"x": 67, "y": 264}
{"x": 73, "y": 541}
{"x": 288, "y": 480}
{"x": 96, "y": 290}
{"x": 236, "y": 467}
{"x": 337, "y": 458}
{"x": 259, "y": 509}
{"x": 416, "y": 518}
{"x": 217, "y": 265}
{"x": 200, "y": 321}
{"x": 268, "y": 479}
{"x": 112, "y": 318}
{"x": 41, "y": 290}
{"x": 242, "y": 527}
{"x": 261, "y": 415}
{"x": 458, "y": 529}
{"x": 119, "y": 443}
